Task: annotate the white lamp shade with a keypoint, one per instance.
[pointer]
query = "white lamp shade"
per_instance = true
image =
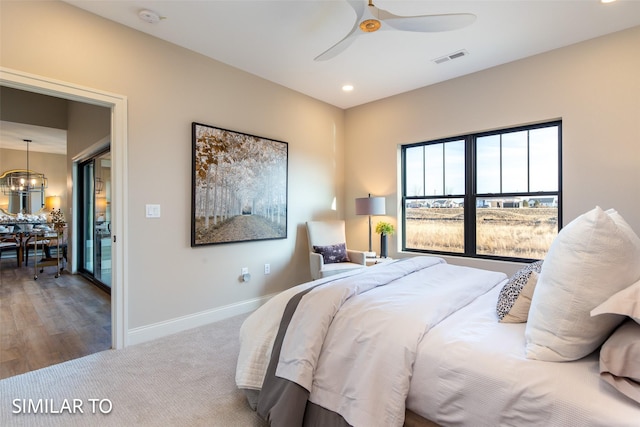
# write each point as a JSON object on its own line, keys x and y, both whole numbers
{"x": 370, "y": 206}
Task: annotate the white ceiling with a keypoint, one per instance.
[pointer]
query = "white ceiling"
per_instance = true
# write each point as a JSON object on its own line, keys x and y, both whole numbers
{"x": 43, "y": 139}
{"x": 278, "y": 39}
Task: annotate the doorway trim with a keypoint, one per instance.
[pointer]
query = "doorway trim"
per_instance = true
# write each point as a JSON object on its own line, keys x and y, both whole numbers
{"x": 118, "y": 105}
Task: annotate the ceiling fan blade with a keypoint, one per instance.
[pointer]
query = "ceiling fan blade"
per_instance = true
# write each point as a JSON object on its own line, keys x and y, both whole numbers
{"x": 336, "y": 49}
{"x": 369, "y": 19}
{"x": 430, "y": 23}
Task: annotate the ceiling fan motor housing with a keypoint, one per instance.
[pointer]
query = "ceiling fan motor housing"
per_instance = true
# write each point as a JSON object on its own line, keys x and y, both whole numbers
{"x": 370, "y": 25}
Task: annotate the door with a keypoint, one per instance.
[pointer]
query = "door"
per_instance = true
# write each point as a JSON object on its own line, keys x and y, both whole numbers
{"x": 95, "y": 219}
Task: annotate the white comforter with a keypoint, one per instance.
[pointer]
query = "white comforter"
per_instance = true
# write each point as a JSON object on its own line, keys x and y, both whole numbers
{"x": 472, "y": 371}
{"x": 354, "y": 340}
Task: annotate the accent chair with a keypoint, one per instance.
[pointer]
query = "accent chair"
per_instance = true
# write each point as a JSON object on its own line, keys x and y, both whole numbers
{"x": 328, "y": 252}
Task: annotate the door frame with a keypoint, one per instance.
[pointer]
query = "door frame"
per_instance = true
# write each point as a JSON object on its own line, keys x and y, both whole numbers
{"x": 118, "y": 105}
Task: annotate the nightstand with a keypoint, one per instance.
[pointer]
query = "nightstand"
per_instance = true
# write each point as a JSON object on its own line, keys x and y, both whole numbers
{"x": 377, "y": 260}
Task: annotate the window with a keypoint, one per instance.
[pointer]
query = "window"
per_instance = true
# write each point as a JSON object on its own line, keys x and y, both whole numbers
{"x": 489, "y": 195}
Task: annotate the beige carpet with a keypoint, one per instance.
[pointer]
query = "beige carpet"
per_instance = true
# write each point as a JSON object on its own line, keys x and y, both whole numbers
{"x": 186, "y": 379}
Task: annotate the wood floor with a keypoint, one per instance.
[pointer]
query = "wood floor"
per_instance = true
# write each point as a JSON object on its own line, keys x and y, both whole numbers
{"x": 50, "y": 320}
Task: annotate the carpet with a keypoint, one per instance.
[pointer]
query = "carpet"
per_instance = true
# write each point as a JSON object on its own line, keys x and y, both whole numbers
{"x": 185, "y": 379}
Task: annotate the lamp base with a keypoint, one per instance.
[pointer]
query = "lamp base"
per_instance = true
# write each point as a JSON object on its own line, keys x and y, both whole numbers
{"x": 370, "y": 254}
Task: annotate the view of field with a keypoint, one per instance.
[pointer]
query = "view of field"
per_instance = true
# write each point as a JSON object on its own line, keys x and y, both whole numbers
{"x": 510, "y": 232}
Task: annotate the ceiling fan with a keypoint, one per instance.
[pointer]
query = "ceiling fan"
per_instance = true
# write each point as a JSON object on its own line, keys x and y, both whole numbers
{"x": 371, "y": 19}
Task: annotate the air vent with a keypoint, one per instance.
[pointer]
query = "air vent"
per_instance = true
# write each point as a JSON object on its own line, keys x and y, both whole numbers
{"x": 451, "y": 56}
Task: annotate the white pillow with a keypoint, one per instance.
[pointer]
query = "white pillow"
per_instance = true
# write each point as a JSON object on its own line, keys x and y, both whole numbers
{"x": 592, "y": 258}
{"x": 620, "y": 360}
{"x": 624, "y": 303}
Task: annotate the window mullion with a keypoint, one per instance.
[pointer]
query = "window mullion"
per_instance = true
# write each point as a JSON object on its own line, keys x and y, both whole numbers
{"x": 424, "y": 171}
{"x": 528, "y": 161}
{"x": 501, "y": 159}
{"x": 470, "y": 197}
{"x": 444, "y": 174}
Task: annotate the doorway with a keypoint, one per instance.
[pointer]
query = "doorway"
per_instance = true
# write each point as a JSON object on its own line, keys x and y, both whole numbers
{"x": 94, "y": 207}
{"x": 118, "y": 106}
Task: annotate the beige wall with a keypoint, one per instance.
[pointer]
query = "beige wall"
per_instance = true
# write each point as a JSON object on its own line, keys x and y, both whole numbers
{"x": 168, "y": 88}
{"x": 31, "y": 108}
{"x": 594, "y": 87}
{"x": 89, "y": 131}
{"x": 39, "y": 110}
{"x": 51, "y": 165}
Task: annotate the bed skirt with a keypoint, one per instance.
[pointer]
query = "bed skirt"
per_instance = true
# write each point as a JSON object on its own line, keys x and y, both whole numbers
{"x": 411, "y": 419}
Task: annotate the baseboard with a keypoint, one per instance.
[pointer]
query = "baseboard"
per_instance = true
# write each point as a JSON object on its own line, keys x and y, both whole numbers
{"x": 179, "y": 324}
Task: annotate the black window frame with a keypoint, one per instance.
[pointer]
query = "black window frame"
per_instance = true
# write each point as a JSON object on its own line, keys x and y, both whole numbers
{"x": 471, "y": 195}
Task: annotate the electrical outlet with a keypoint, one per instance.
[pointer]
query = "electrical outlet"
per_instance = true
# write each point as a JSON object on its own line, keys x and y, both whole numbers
{"x": 267, "y": 269}
{"x": 245, "y": 270}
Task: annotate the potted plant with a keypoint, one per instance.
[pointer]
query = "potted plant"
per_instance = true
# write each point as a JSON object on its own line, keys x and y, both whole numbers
{"x": 57, "y": 218}
{"x": 384, "y": 229}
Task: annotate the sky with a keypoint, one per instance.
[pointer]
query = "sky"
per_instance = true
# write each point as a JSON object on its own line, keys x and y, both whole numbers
{"x": 502, "y": 164}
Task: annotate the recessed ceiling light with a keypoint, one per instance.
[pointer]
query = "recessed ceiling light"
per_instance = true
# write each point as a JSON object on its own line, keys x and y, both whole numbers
{"x": 347, "y": 88}
{"x": 607, "y": 1}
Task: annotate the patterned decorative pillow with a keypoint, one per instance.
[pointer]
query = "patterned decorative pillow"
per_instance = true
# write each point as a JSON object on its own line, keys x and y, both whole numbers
{"x": 519, "y": 313}
{"x": 511, "y": 290}
{"x": 333, "y": 253}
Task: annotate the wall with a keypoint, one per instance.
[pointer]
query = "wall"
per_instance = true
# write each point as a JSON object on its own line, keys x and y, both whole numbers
{"x": 39, "y": 110}
{"x": 51, "y": 165}
{"x": 593, "y": 86}
{"x": 167, "y": 88}
{"x": 31, "y": 108}
{"x": 89, "y": 131}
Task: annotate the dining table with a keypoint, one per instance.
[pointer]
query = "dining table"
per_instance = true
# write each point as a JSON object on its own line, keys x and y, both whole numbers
{"x": 22, "y": 232}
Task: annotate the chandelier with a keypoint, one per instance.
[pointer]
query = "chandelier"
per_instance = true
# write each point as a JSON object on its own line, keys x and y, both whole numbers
{"x": 22, "y": 181}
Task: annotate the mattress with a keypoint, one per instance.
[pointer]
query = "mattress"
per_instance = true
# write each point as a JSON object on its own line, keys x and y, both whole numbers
{"x": 471, "y": 370}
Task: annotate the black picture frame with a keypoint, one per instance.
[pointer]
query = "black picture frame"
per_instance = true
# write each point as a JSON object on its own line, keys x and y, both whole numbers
{"x": 239, "y": 187}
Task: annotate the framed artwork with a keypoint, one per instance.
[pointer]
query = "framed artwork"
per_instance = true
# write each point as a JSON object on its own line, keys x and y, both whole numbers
{"x": 238, "y": 188}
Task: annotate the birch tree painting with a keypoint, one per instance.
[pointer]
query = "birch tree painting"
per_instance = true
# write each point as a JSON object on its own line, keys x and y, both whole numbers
{"x": 239, "y": 187}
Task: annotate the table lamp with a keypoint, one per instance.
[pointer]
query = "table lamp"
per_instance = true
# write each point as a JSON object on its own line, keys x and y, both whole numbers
{"x": 370, "y": 206}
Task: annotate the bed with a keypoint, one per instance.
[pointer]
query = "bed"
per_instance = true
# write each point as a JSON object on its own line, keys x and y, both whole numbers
{"x": 418, "y": 340}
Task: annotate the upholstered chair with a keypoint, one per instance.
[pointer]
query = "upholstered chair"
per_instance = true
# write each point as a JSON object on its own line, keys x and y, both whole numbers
{"x": 10, "y": 244}
{"x": 328, "y": 252}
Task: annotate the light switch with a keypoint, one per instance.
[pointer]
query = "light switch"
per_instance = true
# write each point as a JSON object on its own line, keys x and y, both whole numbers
{"x": 153, "y": 211}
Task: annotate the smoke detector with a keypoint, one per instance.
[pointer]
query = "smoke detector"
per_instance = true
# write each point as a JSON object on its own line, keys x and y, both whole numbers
{"x": 149, "y": 16}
